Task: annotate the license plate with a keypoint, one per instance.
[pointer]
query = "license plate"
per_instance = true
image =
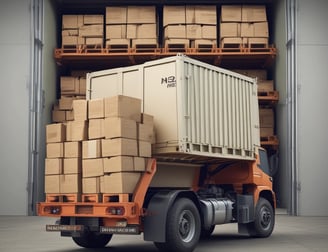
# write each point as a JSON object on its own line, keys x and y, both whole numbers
{"x": 69, "y": 228}
{"x": 120, "y": 230}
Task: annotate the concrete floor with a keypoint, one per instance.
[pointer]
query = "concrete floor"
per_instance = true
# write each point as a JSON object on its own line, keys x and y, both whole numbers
{"x": 291, "y": 234}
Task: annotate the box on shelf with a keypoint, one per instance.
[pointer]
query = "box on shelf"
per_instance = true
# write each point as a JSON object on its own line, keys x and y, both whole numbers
{"x": 72, "y": 149}
{"x": 209, "y": 32}
{"x": 141, "y": 15}
{"x": 145, "y": 132}
{"x": 93, "y": 19}
{"x": 55, "y": 150}
{"x": 91, "y": 185}
{"x": 69, "y": 22}
{"x": 116, "y": 31}
{"x": 55, "y": 132}
{"x": 92, "y": 167}
{"x": 144, "y": 149}
{"x": 139, "y": 164}
{"x": 265, "y": 85}
{"x": 91, "y": 149}
{"x": 231, "y": 13}
{"x": 194, "y": 31}
{"x": 145, "y": 31}
{"x": 52, "y": 183}
{"x": 119, "y": 164}
{"x": 119, "y": 147}
{"x": 266, "y": 117}
{"x": 266, "y": 131}
{"x": 120, "y": 182}
{"x": 253, "y": 13}
{"x": 96, "y": 128}
{"x": 72, "y": 165}
{"x": 70, "y": 183}
{"x": 115, "y": 127}
{"x": 53, "y": 166}
{"x": 175, "y": 31}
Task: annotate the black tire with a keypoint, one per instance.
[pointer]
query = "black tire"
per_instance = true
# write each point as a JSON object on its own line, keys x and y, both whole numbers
{"x": 264, "y": 220}
{"x": 182, "y": 227}
{"x": 206, "y": 233}
{"x": 92, "y": 240}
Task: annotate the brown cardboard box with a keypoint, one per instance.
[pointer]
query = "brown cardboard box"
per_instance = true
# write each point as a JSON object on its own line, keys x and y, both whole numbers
{"x": 69, "y": 85}
{"x": 91, "y": 185}
{"x": 174, "y": 15}
{"x": 120, "y": 127}
{"x": 96, "y": 128}
{"x": 266, "y": 118}
{"x": 231, "y": 13}
{"x": 91, "y": 149}
{"x": 69, "y": 21}
{"x": 55, "y": 133}
{"x": 175, "y": 31}
{"x": 145, "y": 132}
{"x": 94, "y": 41}
{"x": 51, "y": 184}
{"x": 261, "y": 30}
{"x": 266, "y": 131}
{"x": 96, "y": 108}
{"x": 70, "y": 183}
{"x": 119, "y": 147}
{"x": 147, "y": 119}
{"x": 58, "y": 115}
{"x": 116, "y": 15}
{"x": 247, "y": 30}
{"x": 141, "y": 31}
{"x": 139, "y": 164}
{"x": 92, "y": 31}
{"x": 92, "y": 167}
{"x": 76, "y": 131}
{"x": 69, "y": 115}
{"x": 228, "y": 30}
{"x": 120, "y": 182}
{"x": 72, "y": 149}
{"x": 118, "y": 164}
{"x": 70, "y": 40}
{"x": 205, "y": 15}
{"x": 72, "y": 165}
{"x": 93, "y": 19}
{"x": 82, "y": 85}
{"x": 65, "y": 103}
{"x": 265, "y": 85}
{"x": 53, "y": 166}
{"x": 116, "y": 31}
{"x": 55, "y": 150}
{"x": 80, "y": 108}
{"x": 70, "y": 32}
{"x": 253, "y": 13}
{"x": 209, "y": 32}
{"x": 144, "y": 149}
{"x": 123, "y": 106}
{"x": 194, "y": 31}
{"x": 141, "y": 15}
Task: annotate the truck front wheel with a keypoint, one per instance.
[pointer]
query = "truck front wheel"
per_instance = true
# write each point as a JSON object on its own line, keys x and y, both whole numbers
{"x": 182, "y": 228}
{"x": 92, "y": 240}
{"x": 264, "y": 220}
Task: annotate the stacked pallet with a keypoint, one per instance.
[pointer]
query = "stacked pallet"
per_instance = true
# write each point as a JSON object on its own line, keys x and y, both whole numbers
{"x": 82, "y": 31}
{"x": 189, "y": 26}
{"x": 104, "y": 150}
{"x": 243, "y": 26}
{"x": 131, "y": 26}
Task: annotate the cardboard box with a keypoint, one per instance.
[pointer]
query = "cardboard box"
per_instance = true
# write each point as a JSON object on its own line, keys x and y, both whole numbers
{"x": 260, "y": 74}
{"x": 144, "y": 149}
{"x": 70, "y": 40}
{"x": 120, "y": 127}
{"x": 72, "y": 165}
{"x": 69, "y": 85}
{"x": 70, "y": 32}
{"x": 209, "y": 32}
{"x": 76, "y": 131}
{"x": 55, "y": 150}
{"x": 120, "y": 182}
{"x": 253, "y": 13}
{"x": 147, "y": 119}
{"x": 65, "y": 103}
{"x": 116, "y": 31}
{"x": 72, "y": 149}
{"x": 123, "y": 106}
{"x": 139, "y": 164}
{"x": 58, "y": 116}
{"x": 96, "y": 108}
{"x": 55, "y": 133}
{"x": 70, "y": 183}
{"x": 53, "y": 166}
{"x": 118, "y": 164}
{"x": 96, "y": 129}
{"x": 94, "y": 41}
{"x": 141, "y": 15}
{"x": 69, "y": 21}
{"x": 91, "y": 149}
{"x": 247, "y": 30}
{"x": 266, "y": 131}
{"x": 261, "y": 30}
{"x": 80, "y": 108}
{"x": 194, "y": 31}
{"x": 266, "y": 118}
{"x": 69, "y": 115}
{"x": 92, "y": 31}
{"x": 205, "y": 15}
{"x": 265, "y": 85}
{"x": 93, "y": 19}
{"x": 91, "y": 185}
{"x": 142, "y": 31}
{"x": 174, "y": 15}
{"x": 231, "y": 13}
{"x": 175, "y": 31}
{"x": 145, "y": 132}
{"x": 82, "y": 85}
{"x": 116, "y": 15}
{"x": 229, "y": 30}
{"x": 52, "y": 184}
{"x": 92, "y": 167}
{"x": 119, "y": 147}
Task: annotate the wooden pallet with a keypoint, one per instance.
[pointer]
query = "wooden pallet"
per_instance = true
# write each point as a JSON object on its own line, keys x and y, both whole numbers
{"x": 61, "y": 197}
{"x": 118, "y": 197}
{"x": 96, "y": 48}
{"x": 270, "y": 140}
{"x": 118, "y": 48}
{"x": 71, "y": 49}
{"x": 176, "y": 45}
{"x": 149, "y": 48}
{"x": 268, "y": 96}
{"x": 92, "y": 197}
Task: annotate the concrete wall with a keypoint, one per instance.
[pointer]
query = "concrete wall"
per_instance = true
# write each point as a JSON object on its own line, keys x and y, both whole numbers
{"x": 312, "y": 65}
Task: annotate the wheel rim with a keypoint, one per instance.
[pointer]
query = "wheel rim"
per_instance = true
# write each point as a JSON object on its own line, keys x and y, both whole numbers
{"x": 187, "y": 226}
{"x": 266, "y": 218}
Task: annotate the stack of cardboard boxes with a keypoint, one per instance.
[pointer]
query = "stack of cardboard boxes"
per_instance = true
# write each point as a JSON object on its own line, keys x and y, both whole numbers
{"x": 190, "y": 26}
{"x": 131, "y": 26}
{"x": 243, "y": 25}
{"x": 103, "y": 150}
{"x": 82, "y": 30}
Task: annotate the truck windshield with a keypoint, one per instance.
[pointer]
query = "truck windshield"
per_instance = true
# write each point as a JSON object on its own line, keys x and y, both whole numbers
{"x": 264, "y": 164}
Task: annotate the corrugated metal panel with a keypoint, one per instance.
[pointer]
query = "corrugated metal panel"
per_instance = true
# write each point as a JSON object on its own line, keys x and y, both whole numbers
{"x": 198, "y": 109}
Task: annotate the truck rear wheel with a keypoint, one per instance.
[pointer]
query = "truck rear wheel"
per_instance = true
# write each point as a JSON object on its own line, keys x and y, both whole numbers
{"x": 182, "y": 227}
{"x": 92, "y": 240}
{"x": 264, "y": 220}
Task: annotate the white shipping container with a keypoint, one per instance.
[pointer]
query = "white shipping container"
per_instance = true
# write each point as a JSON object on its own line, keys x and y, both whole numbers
{"x": 200, "y": 111}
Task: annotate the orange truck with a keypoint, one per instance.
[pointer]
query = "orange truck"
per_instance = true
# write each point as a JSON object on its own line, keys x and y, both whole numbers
{"x": 207, "y": 167}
